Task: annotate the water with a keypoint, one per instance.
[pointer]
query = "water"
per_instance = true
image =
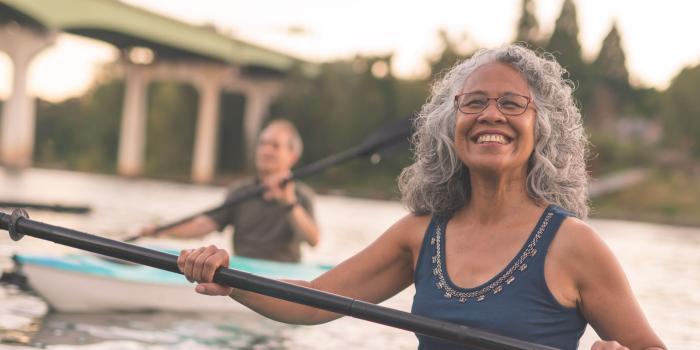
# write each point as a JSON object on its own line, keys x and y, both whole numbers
{"x": 662, "y": 263}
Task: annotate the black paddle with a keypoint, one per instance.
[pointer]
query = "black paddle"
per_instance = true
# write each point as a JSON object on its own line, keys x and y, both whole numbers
{"x": 50, "y": 207}
{"x": 19, "y": 224}
{"x": 384, "y": 137}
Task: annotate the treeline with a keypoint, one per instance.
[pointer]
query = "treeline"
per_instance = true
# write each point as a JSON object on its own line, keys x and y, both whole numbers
{"x": 350, "y": 98}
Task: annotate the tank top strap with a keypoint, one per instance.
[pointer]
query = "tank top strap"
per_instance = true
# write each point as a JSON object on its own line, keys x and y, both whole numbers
{"x": 554, "y": 216}
{"x": 426, "y": 249}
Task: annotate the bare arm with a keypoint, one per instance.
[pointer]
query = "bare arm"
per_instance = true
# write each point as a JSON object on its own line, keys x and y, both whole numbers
{"x": 303, "y": 222}
{"x": 197, "y": 227}
{"x": 376, "y": 273}
{"x": 602, "y": 291}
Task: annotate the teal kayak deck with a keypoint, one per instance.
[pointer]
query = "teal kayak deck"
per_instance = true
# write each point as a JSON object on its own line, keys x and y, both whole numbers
{"x": 94, "y": 265}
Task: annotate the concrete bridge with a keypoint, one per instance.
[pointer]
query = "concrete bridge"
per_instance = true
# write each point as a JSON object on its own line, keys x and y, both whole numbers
{"x": 152, "y": 47}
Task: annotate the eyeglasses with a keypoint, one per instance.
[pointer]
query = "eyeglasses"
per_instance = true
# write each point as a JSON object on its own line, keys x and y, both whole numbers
{"x": 476, "y": 102}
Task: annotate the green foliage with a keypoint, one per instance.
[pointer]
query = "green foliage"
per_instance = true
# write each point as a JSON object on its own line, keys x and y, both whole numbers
{"x": 341, "y": 106}
{"x": 610, "y": 63}
{"x": 172, "y": 111}
{"x": 682, "y": 112}
{"x": 564, "y": 45}
{"x": 82, "y": 133}
{"x": 528, "y": 28}
{"x": 609, "y": 154}
{"x": 452, "y": 52}
{"x": 669, "y": 196}
{"x": 231, "y": 141}
{"x": 648, "y": 102}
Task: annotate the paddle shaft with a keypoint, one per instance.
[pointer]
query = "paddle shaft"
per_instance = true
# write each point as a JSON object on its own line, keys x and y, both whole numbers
{"x": 51, "y": 207}
{"x": 273, "y": 288}
{"x": 371, "y": 145}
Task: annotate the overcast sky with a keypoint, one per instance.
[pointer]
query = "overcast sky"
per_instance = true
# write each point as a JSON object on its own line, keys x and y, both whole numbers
{"x": 658, "y": 37}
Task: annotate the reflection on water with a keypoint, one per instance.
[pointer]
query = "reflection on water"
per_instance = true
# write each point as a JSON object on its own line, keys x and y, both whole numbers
{"x": 662, "y": 263}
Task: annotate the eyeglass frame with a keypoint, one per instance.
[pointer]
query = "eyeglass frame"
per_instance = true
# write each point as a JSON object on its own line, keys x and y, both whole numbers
{"x": 498, "y": 106}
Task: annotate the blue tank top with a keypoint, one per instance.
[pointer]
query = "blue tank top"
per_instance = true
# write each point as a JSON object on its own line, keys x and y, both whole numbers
{"x": 516, "y": 302}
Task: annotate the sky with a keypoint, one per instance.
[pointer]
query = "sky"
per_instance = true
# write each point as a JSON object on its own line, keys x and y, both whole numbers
{"x": 658, "y": 37}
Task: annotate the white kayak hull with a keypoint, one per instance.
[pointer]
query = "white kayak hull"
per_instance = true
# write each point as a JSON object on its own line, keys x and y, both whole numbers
{"x": 93, "y": 284}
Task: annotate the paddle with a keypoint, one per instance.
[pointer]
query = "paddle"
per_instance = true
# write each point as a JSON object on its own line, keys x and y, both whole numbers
{"x": 40, "y": 206}
{"x": 384, "y": 137}
{"x": 18, "y": 224}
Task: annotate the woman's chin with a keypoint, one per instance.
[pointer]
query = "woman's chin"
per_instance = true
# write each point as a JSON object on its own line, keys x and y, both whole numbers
{"x": 493, "y": 166}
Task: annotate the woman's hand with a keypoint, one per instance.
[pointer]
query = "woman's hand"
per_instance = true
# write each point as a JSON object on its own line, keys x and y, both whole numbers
{"x": 199, "y": 265}
{"x": 608, "y": 345}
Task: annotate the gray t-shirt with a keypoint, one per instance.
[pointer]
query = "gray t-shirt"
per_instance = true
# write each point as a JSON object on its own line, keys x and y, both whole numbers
{"x": 263, "y": 229}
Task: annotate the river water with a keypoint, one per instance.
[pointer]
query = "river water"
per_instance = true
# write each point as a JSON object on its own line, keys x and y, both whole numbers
{"x": 662, "y": 264}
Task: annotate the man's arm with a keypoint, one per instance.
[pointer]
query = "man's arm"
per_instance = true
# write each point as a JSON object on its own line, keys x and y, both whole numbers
{"x": 303, "y": 223}
{"x": 300, "y": 218}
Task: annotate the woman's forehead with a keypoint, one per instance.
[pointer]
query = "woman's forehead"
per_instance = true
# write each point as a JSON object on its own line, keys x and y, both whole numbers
{"x": 496, "y": 77}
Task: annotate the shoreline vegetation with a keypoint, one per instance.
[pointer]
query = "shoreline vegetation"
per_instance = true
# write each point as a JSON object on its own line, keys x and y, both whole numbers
{"x": 667, "y": 196}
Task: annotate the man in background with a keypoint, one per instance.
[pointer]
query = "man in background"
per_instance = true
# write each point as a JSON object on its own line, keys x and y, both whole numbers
{"x": 272, "y": 226}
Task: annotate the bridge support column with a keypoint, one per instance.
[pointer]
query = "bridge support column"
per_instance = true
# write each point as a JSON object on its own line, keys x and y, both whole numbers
{"x": 132, "y": 136}
{"x": 206, "y": 137}
{"x": 21, "y": 44}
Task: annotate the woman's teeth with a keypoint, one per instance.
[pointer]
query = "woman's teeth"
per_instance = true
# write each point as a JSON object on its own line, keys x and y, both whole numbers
{"x": 492, "y": 138}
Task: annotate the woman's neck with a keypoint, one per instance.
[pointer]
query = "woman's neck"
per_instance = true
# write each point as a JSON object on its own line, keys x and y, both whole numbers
{"x": 494, "y": 197}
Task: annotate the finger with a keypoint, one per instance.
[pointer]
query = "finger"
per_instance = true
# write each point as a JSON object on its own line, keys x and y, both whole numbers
{"x": 608, "y": 345}
{"x": 181, "y": 259}
{"x": 199, "y": 262}
{"x": 212, "y": 289}
{"x": 598, "y": 345}
{"x": 213, "y": 263}
{"x": 189, "y": 263}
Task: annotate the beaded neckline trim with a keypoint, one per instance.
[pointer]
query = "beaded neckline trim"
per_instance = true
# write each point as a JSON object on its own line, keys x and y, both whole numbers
{"x": 495, "y": 287}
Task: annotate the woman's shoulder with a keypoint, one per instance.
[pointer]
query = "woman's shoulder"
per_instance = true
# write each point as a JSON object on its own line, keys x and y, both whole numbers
{"x": 578, "y": 246}
{"x": 410, "y": 228}
{"x": 412, "y": 222}
{"x": 576, "y": 231}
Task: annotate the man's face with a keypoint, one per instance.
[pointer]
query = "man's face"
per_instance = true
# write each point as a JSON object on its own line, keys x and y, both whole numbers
{"x": 274, "y": 153}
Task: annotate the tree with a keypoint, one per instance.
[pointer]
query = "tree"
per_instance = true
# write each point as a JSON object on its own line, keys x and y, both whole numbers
{"x": 566, "y": 48}
{"x": 610, "y": 63}
{"x": 528, "y": 27}
{"x": 452, "y": 52}
{"x": 81, "y": 133}
{"x": 682, "y": 112}
{"x": 612, "y": 95}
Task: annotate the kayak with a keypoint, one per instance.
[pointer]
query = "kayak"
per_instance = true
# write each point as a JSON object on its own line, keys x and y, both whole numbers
{"x": 91, "y": 283}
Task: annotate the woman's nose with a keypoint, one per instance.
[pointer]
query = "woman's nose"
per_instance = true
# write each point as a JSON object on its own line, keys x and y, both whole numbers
{"x": 491, "y": 114}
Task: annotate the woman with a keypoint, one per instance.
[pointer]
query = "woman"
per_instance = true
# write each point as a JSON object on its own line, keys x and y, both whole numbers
{"x": 495, "y": 239}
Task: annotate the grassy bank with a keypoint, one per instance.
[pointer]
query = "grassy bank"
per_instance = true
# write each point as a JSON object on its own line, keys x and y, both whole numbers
{"x": 668, "y": 196}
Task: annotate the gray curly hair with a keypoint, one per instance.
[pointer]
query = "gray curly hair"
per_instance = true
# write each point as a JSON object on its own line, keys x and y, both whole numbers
{"x": 437, "y": 183}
